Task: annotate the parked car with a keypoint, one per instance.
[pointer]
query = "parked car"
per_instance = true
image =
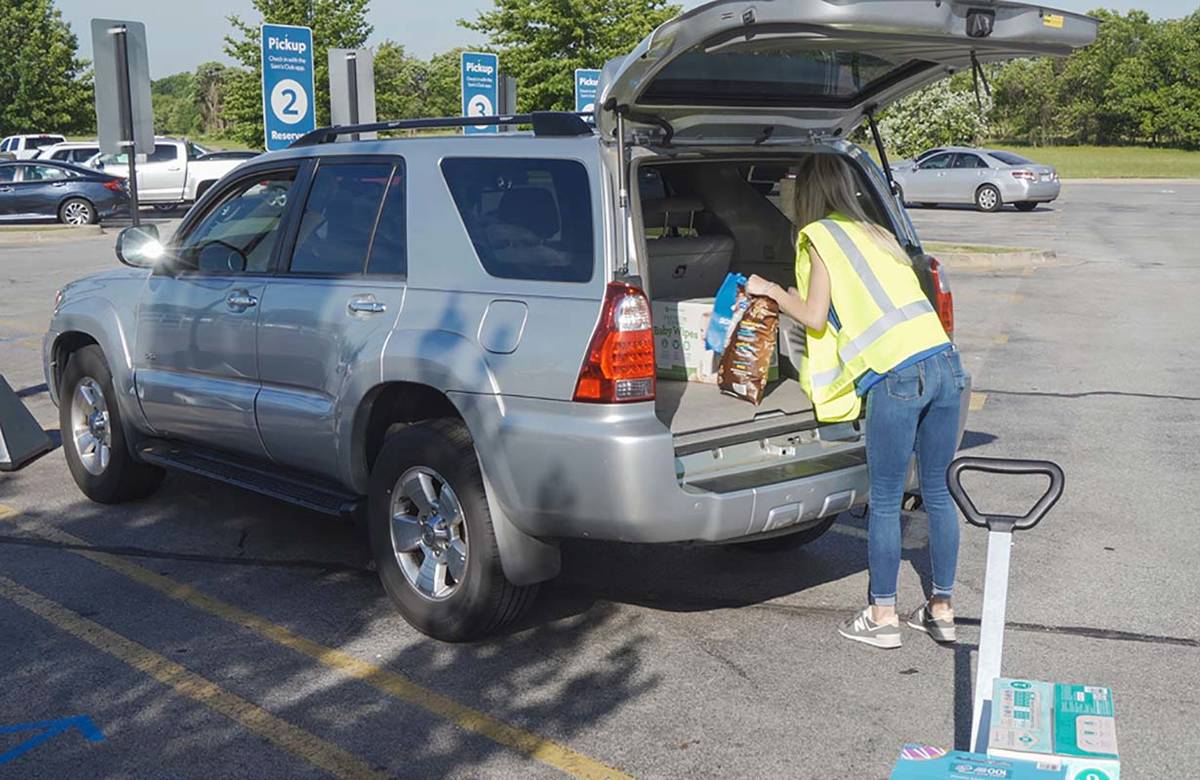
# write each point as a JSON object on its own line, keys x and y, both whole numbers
{"x": 988, "y": 178}
{"x": 77, "y": 152}
{"x": 25, "y": 147}
{"x": 172, "y": 175}
{"x": 904, "y": 164}
{"x": 451, "y": 336}
{"x": 40, "y": 189}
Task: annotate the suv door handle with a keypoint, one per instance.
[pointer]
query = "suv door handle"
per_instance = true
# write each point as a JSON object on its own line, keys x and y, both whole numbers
{"x": 365, "y": 304}
{"x": 241, "y": 300}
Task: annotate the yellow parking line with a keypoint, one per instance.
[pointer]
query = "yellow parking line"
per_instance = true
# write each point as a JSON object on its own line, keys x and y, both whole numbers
{"x": 977, "y": 401}
{"x": 279, "y": 732}
{"x": 537, "y": 747}
{"x": 1000, "y": 339}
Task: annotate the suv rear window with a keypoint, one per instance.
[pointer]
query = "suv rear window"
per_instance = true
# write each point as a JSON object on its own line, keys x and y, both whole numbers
{"x": 528, "y": 218}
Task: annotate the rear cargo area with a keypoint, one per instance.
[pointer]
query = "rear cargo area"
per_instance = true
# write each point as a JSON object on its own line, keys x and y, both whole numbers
{"x": 703, "y": 220}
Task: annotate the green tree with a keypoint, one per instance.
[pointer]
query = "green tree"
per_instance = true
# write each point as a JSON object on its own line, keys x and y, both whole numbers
{"x": 1028, "y": 103}
{"x": 941, "y": 114}
{"x": 339, "y": 24}
{"x": 174, "y": 99}
{"x": 44, "y": 86}
{"x": 542, "y": 42}
{"x": 209, "y": 89}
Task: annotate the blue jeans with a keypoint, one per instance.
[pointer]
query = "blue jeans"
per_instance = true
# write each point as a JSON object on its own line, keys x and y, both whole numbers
{"x": 914, "y": 409}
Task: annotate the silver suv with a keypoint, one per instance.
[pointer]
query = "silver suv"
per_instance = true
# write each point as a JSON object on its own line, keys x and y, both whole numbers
{"x": 452, "y": 336}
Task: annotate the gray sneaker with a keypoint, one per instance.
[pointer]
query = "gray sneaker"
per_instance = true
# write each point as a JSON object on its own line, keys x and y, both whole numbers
{"x": 940, "y": 629}
{"x": 861, "y": 628}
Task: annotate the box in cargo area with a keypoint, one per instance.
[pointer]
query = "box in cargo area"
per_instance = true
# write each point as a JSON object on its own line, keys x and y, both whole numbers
{"x": 679, "y": 351}
{"x": 1072, "y": 726}
{"x": 921, "y": 762}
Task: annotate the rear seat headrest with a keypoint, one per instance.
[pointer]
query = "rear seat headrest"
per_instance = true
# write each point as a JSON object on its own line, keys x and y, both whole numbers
{"x": 671, "y": 212}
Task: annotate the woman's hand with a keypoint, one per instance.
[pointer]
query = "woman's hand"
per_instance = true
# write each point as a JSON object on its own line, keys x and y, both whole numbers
{"x": 756, "y": 285}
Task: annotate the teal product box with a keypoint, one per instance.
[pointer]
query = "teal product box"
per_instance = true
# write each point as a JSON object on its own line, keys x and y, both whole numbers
{"x": 1072, "y": 726}
{"x": 922, "y": 762}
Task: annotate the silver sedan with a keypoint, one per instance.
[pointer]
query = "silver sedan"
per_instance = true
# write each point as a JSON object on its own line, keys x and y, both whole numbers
{"x": 986, "y": 177}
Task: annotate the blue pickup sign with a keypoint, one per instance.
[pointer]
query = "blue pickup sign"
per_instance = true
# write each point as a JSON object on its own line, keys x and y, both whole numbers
{"x": 587, "y": 86}
{"x": 480, "y": 89}
{"x": 289, "y": 107}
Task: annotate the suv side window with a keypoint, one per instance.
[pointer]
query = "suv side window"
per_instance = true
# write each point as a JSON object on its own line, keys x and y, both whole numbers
{"x": 527, "y": 218}
{"x": 240, "y": 232}
{"x": 389, "y": 250}
{"x": 339, "y": 217}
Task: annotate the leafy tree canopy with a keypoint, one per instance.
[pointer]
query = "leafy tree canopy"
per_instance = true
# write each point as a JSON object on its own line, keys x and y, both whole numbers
{"x": 44, "y": 86}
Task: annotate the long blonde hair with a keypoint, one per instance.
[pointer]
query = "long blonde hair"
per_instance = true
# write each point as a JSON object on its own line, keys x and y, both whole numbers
{"x": 824, "y": 185}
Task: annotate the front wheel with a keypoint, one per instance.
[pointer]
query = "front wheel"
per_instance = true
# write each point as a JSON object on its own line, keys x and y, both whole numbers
{"x": 987, "y": 198}
{"x": 165, "y": 208}
{"x": 77, "y": 212}
{"x": 1026, "y": 205}
{"x": 93, "y": 437}
{"x": 432, "y": 537}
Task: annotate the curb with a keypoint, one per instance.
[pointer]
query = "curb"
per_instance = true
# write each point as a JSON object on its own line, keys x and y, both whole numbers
{"x": 48, "y": 234}
{"x": 999, "y": 260}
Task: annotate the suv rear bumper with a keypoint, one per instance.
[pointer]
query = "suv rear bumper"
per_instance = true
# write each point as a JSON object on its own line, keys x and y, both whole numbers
{"x": 562, "y": 469}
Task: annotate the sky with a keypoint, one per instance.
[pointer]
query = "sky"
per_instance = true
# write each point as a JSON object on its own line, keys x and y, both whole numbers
{"x": 182, "y": 35}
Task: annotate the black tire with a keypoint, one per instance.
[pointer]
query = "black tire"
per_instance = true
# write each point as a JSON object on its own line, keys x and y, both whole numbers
{"x": 122, "y": 478}
{"x": 987, "y": 198}
{"x": 165, "y": 208}
{"x": 483, "y": 600}
{"x": 1026, "y": 205}
{"x": 789, "y": 542}
{"x": 77, "y": 211}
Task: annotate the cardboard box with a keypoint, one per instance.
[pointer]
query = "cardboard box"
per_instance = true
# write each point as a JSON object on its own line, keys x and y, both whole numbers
{"x": 1072, "y": 726}
{"x": 922, "y": 762}
{"x": 679, "y": 351}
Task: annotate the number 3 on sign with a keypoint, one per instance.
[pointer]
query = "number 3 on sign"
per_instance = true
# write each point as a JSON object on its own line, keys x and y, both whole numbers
{"x": 289, "y": 102}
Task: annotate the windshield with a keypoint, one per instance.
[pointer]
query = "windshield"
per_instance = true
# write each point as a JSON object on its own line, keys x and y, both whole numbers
{"x": 771, "y": 73}
{"x": 43, "y": 141}
{"x": 1008, "y": 158}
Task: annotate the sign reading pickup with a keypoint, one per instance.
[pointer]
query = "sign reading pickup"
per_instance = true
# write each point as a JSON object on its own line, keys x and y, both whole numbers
{"x": 480, "y": 89}
{"x": 289, "y": 110}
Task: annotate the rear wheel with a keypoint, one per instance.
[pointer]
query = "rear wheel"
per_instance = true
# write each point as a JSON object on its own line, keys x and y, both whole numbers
{"x": 1026, "y": 205}
{"x": 77, "y": 212}
{"x": 93, "y": 437}
{"x": 987, "y": 198}
{"x": 790, "y": 541}
{"x": 432, "y": 537}
{"x": 165, "y": 208}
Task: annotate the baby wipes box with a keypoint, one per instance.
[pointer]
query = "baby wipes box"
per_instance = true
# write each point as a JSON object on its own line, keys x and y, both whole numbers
{"x": 679, "y": 349}
{"x": 1073, "y": 726}
{"x": 922, "y": 762}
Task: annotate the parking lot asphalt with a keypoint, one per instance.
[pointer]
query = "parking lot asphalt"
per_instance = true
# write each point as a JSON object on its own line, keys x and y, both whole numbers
{"x": 207, "y": 632}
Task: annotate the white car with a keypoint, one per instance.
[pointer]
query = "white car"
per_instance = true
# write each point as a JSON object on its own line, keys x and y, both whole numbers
{"x": 26, "y": 147}
{"x": 171, "y": 175}
{"x": 76, "y": 152}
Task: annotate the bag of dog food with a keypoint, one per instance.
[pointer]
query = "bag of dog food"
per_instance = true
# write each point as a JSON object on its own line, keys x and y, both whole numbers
{"x": 746, "y": 361}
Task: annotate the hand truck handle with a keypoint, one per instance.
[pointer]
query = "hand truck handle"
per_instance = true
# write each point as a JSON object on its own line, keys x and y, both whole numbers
{"x": 1008, "y": 523}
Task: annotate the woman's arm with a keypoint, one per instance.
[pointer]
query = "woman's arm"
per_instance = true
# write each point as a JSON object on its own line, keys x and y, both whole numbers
{"x": 812, "y": 310}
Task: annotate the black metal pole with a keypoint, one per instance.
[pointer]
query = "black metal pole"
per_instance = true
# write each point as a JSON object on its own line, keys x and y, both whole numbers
{"x": 352, "y": 79}
{"x": 126, "y": 106}
{"x": 883, "y": 160}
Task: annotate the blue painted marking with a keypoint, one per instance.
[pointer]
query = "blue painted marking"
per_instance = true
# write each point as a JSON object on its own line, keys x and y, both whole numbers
{"x": 49, "y": 730}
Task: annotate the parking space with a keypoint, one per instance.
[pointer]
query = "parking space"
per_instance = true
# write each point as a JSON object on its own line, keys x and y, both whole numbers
{"x": 208, "y": 632}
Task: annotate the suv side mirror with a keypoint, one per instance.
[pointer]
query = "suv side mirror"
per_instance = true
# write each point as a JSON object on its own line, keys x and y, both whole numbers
{"x": 139, "y": 246}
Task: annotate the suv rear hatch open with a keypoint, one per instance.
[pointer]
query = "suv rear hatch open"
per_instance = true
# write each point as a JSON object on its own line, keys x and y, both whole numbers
{"x": 737, "y": 71}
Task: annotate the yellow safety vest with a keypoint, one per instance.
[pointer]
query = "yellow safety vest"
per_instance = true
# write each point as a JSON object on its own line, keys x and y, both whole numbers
{"x": 884, "y": 315}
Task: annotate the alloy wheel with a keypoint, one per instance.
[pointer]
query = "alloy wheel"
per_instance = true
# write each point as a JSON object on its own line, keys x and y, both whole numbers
{"x": 77, "y": 213}
{"x": 429, "y": 535}
{"x": 90, "y": 426}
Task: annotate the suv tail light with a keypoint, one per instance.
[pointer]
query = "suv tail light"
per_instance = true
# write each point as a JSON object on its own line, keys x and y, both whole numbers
{"x": 1025, "y": 175}
{"x": 943, "y": 298}
{"x": 619, "y": 365}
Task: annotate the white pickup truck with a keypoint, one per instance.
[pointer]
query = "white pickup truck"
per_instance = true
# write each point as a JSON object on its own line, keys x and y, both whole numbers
{"x": 170, "y": 176}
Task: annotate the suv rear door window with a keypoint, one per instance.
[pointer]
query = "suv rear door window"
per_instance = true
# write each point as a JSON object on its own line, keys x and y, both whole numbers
{"x": 389, "y": 249}
{"x": 339, "y": 218}
{"x": 528, "y": 218}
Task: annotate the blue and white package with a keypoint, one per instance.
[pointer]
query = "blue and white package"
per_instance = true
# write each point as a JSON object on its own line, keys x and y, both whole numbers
{"x": 724, "y": 316}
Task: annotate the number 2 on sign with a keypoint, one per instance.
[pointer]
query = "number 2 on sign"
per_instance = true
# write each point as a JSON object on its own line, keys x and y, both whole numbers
{"x": 290, "y": 108}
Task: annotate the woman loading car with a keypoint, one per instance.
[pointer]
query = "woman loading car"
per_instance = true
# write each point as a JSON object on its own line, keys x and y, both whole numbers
{"x": 872, "y": 334}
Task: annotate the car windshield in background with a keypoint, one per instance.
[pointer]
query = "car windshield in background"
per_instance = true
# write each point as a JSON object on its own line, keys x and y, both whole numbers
{"x": 756, "y": 73}
{"x": 528, "y": 219}
{"x": 43, "y": 142}
{"x": 1008, "y": 158}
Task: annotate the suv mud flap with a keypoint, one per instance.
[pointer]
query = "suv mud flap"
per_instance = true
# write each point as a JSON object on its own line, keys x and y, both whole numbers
{"x": 525, "y": 559}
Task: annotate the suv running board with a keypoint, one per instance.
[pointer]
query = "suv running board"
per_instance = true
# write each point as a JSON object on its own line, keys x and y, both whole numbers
{"x": 294, "y": 487}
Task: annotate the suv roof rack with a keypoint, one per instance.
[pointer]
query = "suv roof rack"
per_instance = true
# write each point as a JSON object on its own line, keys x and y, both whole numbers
{"x": 545, "y": 123}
